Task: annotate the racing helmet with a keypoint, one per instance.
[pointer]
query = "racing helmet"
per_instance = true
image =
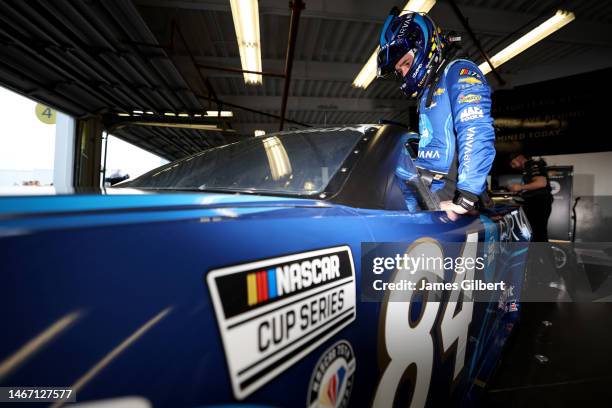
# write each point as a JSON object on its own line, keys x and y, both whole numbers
{"x": 410, "y": 32}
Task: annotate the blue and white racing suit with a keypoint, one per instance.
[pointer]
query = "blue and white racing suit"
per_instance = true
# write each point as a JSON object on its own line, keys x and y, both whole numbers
{"x": 457, "y": 140}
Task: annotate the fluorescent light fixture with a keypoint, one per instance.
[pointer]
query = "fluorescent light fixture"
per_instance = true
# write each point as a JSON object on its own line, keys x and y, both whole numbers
{"x": 150, "y": 113}
{"x": 215, "y": 114}
{"x": 418, "y": 6}
{"x": 183, "y": 115}
{"x": 246, "y": 23}
{"x": 123, "y": 114}
{"x": 259, "y": 132}
{"x": 198, "y": 126}
{"x": 542, "y": 31}
{"x": 139, "y": 112}
{"x": 368, "y": 72}
{"x": 169, "y": 114}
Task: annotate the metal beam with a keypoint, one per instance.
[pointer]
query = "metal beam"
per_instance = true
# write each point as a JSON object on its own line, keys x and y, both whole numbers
{"x": 475, "y": 40}
{"x": 302, "y": 69}
{"x": 238, "y": 70}
{"x": 259, "y": 112}
{"x": 356, "y": 10}
{"x": 296, "y": 8}
{"x": 205, "y": 81}
{"x": 307, "y": 103}
{"x": 483, "y": 20}
{"x": 573, "y": 65}
{"x": 113, "y": 122}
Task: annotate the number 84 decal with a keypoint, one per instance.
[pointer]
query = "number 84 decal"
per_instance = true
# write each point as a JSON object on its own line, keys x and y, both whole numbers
{"x": 409, "y": 344}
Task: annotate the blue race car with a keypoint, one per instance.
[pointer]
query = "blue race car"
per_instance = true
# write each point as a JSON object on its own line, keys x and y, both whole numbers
{"x": 234, "y": 276}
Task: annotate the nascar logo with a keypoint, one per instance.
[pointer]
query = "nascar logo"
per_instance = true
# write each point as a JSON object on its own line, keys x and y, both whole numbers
{"x": 273, "y": 312}
{"x": 269, "y": 284}
{"x": 333, "y": 387}
{"x": 332, "y": 378}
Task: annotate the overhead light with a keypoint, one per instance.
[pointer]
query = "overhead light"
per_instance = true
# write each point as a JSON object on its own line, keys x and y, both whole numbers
{"x": 199, "y": 126}
{"x": 418, "y": 6}
{"x": 183, "y": 115}
{"x": 123, "y": 114}
{"x": 246, "y": 23}
{"x": 260, "y": 132}
{"x": 150, "y": 113}
{"x": 368, "y": 72}
{"x": 169, "y": 114}
{"x": 215, "y": 114}
{"x": 139, "y": 112}
{"x": 542, "y": 31}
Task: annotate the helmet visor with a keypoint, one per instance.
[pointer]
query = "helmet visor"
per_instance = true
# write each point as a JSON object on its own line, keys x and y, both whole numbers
{"x": 389, "y": 55}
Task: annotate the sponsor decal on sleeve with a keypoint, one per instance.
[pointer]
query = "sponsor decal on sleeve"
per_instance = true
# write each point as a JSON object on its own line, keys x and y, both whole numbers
{"x": 471, "y": 113}
{"x": 439, "y": 91}
{"x": 332, "y": 378}
{"x": 468, "y": 147}
{"x": 273, "y": 312}
{"x": 469, "y": 98}
{"x": 470, "y": 80}
{"x": 470, "y": 73}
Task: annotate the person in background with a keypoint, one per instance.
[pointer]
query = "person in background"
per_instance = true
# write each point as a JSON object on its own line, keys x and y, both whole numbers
{"x": 536, "y": 192}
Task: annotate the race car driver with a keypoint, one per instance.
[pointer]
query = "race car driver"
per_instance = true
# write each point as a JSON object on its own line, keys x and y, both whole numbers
{"x": 456, "y": 147}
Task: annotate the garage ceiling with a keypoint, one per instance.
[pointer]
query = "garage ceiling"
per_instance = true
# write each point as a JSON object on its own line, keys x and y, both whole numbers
{"x": 110, "y": 56}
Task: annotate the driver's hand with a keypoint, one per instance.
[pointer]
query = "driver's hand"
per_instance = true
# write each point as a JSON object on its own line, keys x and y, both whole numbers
{"x": 452, "y": 210}
{"x": 515, "y": 187}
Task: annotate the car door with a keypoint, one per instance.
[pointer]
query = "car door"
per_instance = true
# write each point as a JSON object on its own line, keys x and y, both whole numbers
{"x": 425, "y": 352}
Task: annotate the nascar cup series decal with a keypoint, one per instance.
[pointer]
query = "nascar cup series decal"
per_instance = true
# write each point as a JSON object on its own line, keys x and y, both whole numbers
{"x": 332, "y": 378}
{"x": 273, "y": 312}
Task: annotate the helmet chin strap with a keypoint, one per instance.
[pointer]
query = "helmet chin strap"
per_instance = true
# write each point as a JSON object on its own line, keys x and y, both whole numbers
{"x": 436, "y": 77}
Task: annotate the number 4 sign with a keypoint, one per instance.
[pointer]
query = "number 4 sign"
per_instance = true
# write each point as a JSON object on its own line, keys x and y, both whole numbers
{"x": 45, "y": 114}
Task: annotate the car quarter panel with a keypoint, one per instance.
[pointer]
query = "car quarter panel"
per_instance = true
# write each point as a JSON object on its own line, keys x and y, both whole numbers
{"x": 120, "y": 298}
{"x": 490, "y": 324}
{"x": 112, "y": 295}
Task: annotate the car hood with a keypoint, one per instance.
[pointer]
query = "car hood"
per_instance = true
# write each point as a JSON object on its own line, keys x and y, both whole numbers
{"x": 48, "y": 200}
{"x": 21, "y": 215}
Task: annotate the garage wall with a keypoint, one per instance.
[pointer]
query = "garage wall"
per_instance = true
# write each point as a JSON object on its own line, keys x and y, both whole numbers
{"x": 592, "y": 172}
{"x": 593, "y": 184}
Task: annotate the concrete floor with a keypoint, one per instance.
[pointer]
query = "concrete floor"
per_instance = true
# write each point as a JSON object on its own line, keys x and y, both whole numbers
{"x": 578, "y": 347}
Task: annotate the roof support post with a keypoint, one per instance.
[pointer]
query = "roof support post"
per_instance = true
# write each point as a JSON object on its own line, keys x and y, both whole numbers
{"x": 296, "y": 8}
{"x": 88, "y": 152}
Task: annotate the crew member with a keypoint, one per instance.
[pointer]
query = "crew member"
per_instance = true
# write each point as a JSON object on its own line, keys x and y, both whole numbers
{"x": 456, "y": 147}
{"x": 536, "y": 192}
